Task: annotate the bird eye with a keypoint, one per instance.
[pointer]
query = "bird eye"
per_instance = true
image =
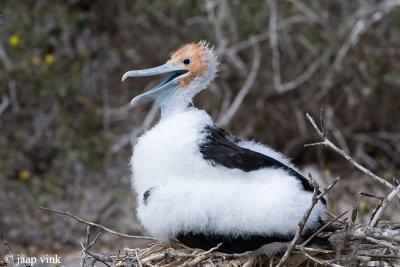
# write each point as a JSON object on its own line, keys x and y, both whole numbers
{"x": 186, "y": 61}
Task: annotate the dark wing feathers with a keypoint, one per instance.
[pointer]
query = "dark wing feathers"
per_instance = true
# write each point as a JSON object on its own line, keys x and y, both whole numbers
{"x": 146, "y": 195}
{"x": 232, "y": 244}
{"x": 221, "y": 148}
{"x": 241, "y": 244}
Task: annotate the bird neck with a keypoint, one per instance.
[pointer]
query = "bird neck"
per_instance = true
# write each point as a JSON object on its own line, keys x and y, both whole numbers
{"x": 181, "y": 98}
{"x": 176, "y": 103}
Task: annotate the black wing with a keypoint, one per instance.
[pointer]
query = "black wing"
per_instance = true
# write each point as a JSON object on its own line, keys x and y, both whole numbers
{"x": 240, "y": 244}
{"x": 221, "y": 148}
{"x": 230, "y": 244}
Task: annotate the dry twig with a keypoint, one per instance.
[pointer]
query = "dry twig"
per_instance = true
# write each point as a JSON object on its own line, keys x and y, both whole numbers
{"x": 323, "y": 228}
{"x": 273, "y": 39}
{"x": 326, "y": 142}
{"x": 384, "y": 204}
{"x": 227, "y": 117}
{"x": 96, "y": 224}
{"x": 316, "y": 197}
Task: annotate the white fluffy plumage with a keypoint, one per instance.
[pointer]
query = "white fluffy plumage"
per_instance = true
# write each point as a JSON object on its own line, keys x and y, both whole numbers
{"x": 189, "y": 194}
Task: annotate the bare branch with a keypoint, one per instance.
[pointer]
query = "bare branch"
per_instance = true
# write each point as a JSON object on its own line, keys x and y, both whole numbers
{"x": 202, "y": 256}
{"x": 87, "y": 246}
{"x": 217, "y": 12}
{"x": 306, "y": 75}
{"x": 263, "y": 36}
{"x": 308, "y": 12}
{"x": 359, "y": 23}
{"x": 96, "y": 224}
{"x": 137, "y": 258}
{"x": 390, "y": 235}
{"x": 4, "y": 104}
{"x": 384, "y": 206}
{"x": 94, "y": 240}
{"x": 273, "y": 39}
{"x": 13, "y": 96}
{"x": 97, "y": 258}
{"x": 8, "y": 64}
{"x": 323, "y": 228}
{"x": 227, "y": 117}
{"x": 318, "y": 261}
{"x": 315, "y": 198}
{"x": 370, "y": 195}
{"x": 383, "y": 243}
{"x": 326, "y": 142}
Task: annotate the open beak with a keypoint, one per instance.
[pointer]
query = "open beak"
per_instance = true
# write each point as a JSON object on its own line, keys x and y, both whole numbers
{"x": 163, "y": 89}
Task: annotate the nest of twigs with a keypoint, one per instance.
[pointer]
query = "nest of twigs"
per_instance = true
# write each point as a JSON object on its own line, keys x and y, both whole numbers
{"x": 352, "y": 245}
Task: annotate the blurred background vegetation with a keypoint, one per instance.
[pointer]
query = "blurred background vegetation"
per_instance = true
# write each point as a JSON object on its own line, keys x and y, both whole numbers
{"x": 66, "y": 127}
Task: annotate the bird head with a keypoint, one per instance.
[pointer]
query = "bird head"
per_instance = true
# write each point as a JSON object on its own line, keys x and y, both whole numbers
{"x": 191, "y": 69}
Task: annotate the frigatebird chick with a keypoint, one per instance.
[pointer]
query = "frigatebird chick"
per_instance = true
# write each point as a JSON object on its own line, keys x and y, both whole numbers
{"x": 199, "y": 184}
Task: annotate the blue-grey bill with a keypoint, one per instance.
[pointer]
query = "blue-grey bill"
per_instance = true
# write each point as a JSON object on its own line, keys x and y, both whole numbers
{"x": 163, "y": 88}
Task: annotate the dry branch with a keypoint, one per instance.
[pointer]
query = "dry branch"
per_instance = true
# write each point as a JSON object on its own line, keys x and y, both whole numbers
{"x": 316, "y": 197}
{"x": 273, "y": 39}
{"x": 96, "y": 224}
{"x": 227, "y": 117}
{"x": 326, "y": 142}
{"x": 323, "y": 228}
{"x": 384, "y": 204}
{"x": 4, "y": 104}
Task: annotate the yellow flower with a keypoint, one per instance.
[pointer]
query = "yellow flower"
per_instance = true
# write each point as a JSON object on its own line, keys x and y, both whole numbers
{"x": 14, "y": 40}
{"x": 49, "y": 59}
{"x": 35, "y": 60}
{"x": 24, "y": 175}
